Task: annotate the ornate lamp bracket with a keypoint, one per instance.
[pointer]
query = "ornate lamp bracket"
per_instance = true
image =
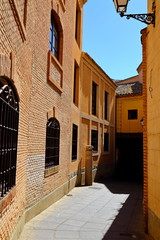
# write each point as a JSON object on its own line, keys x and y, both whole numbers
{"x": 148, "y": 18}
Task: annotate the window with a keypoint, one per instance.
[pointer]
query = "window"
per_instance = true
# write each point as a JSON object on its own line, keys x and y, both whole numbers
{"x": 106, "y": 142}
{"x": 106, "y": 105}
{"x": 94, "y": 98}
{"x": 94, "y": 140}
{"x": 9, "y": 118}
{"x": 74, "y": 141}
{"x": 25, "y": 12}
{"x": 54, "y": 37}
{"x": 132, "y": 114}
{"x": 75, "y": 87}
{"x": 52, "y": 143}
{"x": 78, "y": 24}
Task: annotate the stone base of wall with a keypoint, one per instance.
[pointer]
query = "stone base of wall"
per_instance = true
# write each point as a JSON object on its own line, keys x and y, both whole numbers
{"x": 98, "y": 173}
{"x": 153, "y": 225}
{"x": 42, "y": 205}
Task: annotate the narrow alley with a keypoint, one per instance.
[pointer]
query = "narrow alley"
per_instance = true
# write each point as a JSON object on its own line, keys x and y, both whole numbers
{"x": 76, "y": 110}
{"x": 110, "y": 211}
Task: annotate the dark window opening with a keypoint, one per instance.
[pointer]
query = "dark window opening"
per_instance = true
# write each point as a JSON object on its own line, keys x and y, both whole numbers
{"x": 78, "y": 24}
{"x": 106, "y": 142}
{"x": 132, "y": 114}
{"x": 94, "y": 98}
{"x": 106, "y": 106}
{"x": 54, "y": 37}
{"x": 9, "y": 118}
{"x": 52, "y": 143}
{"x": 94, "y": 140}
{"x": 75, "y": 86}
{"x": 74, "y": 142}
{"x": 76, "y": 28}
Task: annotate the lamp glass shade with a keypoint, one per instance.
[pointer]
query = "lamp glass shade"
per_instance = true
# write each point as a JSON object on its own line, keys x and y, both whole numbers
{"x": 121, "y": 5}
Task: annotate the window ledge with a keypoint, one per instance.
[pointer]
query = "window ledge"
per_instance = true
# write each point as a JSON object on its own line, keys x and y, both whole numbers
{"x": 95, "y": 154}
{"x": 55, "y": 72}
{"x": 94, "y": 116}
{"x": 8, "y": 199}
{"x": 51, "y": 171}
{"x": 107, "y": 120}
{"x": 74, "y": 160}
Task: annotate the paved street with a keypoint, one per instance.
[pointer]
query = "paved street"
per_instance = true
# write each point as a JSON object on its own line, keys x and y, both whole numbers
{"x": 110, "y": 211}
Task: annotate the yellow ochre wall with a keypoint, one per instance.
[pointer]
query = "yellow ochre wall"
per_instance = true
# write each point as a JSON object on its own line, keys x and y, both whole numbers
{"x": 103, "y": 162}
{"x": 151, "y": 53}
{"x": 123, "y": 104}
{"x": 75, "y": 108}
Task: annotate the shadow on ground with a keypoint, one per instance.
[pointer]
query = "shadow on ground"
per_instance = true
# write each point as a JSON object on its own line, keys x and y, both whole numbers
{"x": 129, "y": 223}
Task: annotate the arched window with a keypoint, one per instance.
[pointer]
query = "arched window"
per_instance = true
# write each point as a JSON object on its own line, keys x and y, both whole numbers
{"x": 9, "y": 118}
{"x": 52, "y": 143}
{"x": 54, "y": 41}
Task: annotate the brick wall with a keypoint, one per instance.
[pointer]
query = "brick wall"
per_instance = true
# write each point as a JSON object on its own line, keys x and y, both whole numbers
{"x": 15, "y": 65}
{"x": 24, "y": 49}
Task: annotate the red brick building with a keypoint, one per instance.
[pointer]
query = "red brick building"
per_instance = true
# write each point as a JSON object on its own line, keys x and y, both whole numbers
{"x": 40, "y": 45}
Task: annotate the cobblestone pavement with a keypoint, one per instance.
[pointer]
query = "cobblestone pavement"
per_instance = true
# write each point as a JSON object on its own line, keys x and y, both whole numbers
{"x": 110, "y": 211}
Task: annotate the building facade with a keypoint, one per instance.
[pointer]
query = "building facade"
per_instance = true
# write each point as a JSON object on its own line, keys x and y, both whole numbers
{"x": 97, "y": 108}
{"x": 129, "y": 129}
{"x": 151, "y": 66}
{"x": 40, "y": 48}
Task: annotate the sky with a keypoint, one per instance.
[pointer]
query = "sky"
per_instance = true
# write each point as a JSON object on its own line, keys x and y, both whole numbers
{"x": 113, "y": 42}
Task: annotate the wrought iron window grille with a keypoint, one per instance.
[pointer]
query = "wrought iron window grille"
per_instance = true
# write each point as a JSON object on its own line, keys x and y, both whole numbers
{"x": 52, "y": 143}
{"x": 9, "y": 118}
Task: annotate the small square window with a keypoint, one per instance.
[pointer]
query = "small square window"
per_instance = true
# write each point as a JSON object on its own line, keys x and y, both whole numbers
{"x": 132, "y": 114}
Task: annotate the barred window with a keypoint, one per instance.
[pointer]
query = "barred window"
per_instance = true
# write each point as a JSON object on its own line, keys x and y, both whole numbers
{"x": 54, "y": 37}
{"x": 52, "y": 143}
{"x": 9, "y": 118}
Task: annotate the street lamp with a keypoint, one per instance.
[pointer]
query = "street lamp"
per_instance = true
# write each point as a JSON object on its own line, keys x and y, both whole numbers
{"x": 121, "y": 7}
{"x": 142, "y": 122}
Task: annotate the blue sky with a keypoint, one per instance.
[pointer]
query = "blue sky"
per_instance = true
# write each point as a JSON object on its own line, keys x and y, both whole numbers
{"x": 113, "y": 42}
